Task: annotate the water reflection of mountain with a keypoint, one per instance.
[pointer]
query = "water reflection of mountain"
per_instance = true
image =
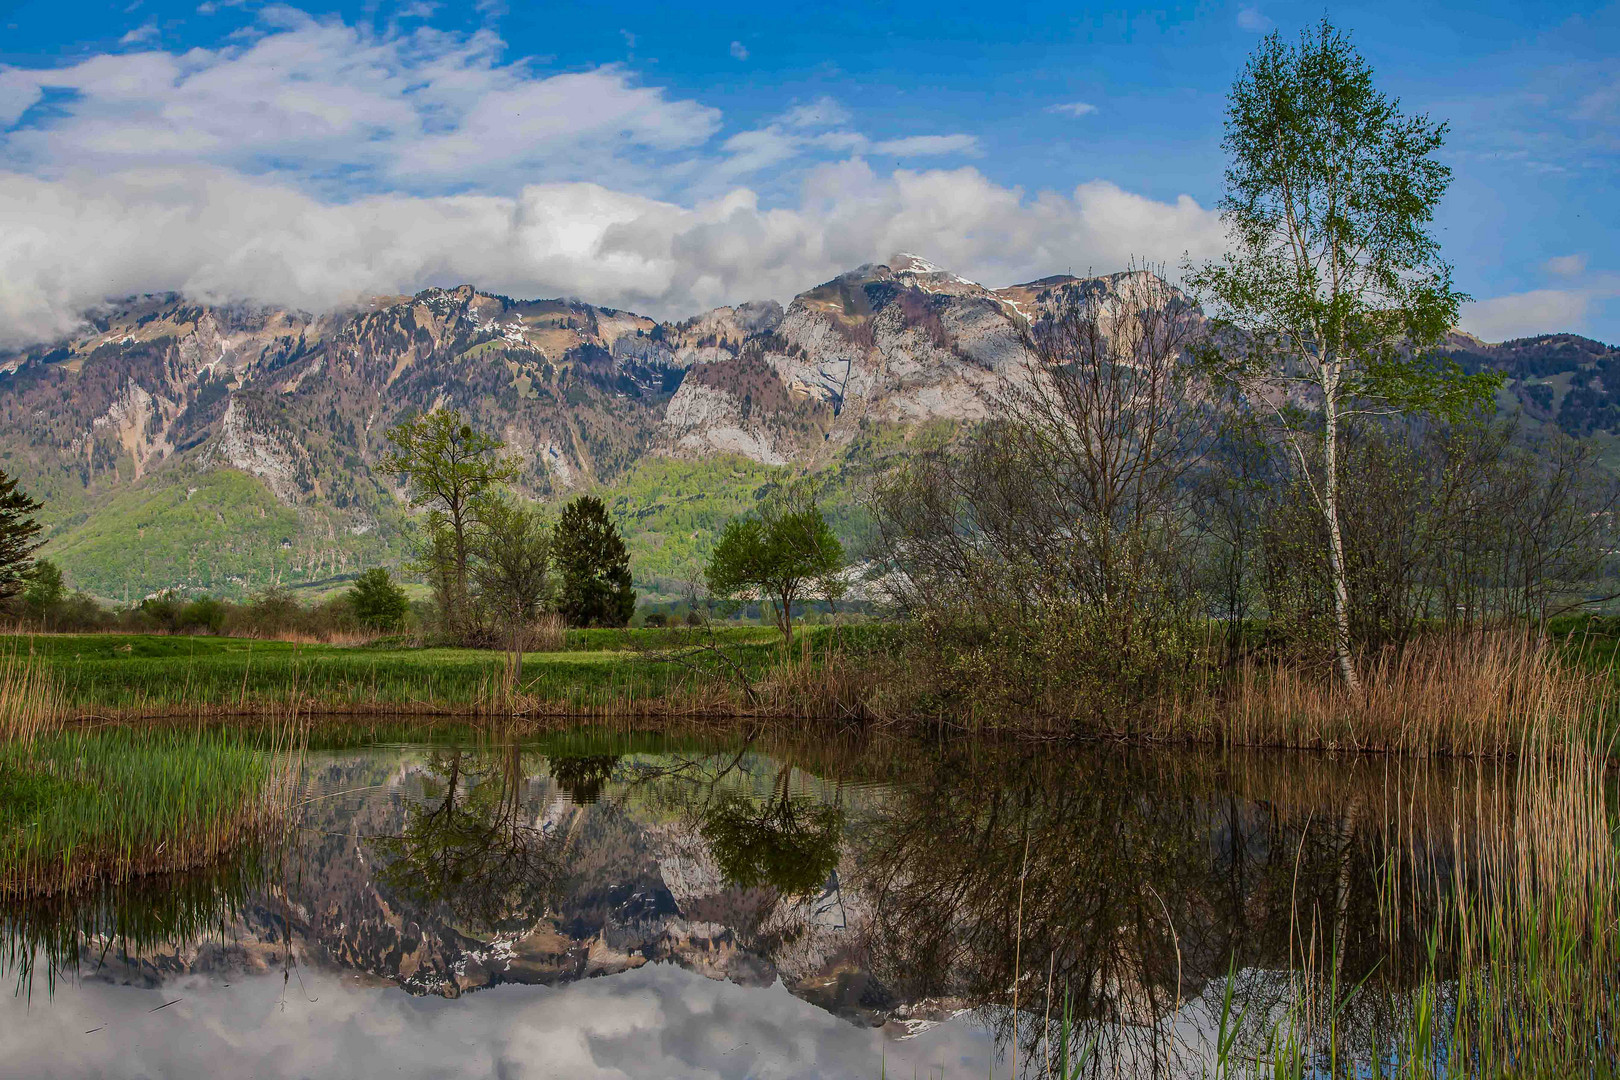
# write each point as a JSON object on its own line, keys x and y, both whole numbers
{"x": 874, "y": 884}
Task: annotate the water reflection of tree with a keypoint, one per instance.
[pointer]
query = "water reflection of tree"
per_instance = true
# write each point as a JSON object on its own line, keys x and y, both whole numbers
{"x": 1143, "y": 884}
{"x": 582, "y": 777}
{"x": 471, "y": 845}
{"x": 788, "y": 844}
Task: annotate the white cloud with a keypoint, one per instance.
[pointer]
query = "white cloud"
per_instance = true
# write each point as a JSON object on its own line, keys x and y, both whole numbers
{"x": 139, "y": 34}
{"x": 321, "y": 163}
{"x": 1539, "y": 311}
{"x": 739, "y": 50}
{"x": 1568, "y": 266}
{"x": 822, "y": 112}
{"x": 66, "y": 244}
{"x": 421, "y": 110}
{"x": 928, "y": 145}
{"x": 1253, "y": 20}
{"x": 1073, "y": 108}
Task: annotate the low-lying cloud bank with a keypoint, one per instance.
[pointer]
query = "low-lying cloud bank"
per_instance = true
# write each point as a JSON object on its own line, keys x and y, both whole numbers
{"x": 311, "y": 162}
{"x": 67, "y": 243}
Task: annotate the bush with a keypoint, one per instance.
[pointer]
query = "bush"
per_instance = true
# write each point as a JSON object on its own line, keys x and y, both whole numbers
{"x": 377, "y": 602}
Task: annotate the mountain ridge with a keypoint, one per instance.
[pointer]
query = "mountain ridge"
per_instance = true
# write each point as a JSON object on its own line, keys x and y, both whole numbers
{"x": 135, "y": 427}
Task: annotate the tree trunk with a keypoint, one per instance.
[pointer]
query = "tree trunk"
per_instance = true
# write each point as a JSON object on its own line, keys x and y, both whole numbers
{"x": 786, "y": 619}
{"x": 1336, "y": 568}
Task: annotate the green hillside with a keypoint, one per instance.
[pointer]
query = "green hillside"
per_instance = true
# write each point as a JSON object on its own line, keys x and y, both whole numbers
{"x": 218, "y": 531}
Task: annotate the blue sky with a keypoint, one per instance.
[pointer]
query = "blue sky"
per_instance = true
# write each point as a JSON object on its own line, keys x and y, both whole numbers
{"x": 668, "y": 160}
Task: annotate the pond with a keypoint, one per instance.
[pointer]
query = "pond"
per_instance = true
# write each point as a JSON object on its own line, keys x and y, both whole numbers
{"x": 591, "y": 905}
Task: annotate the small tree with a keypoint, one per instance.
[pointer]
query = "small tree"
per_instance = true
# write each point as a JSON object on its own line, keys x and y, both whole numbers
{"x": 512, "y": 570}
{"x": 1334, "y": 287}
{"x": 449, "y": 466}
{"x": 43, "y": 589}
{"x": 19, "y": 536}
{"x": 594, "y": 566}
{"x": 379, "y": 603}
{"x": 779, "y": 555}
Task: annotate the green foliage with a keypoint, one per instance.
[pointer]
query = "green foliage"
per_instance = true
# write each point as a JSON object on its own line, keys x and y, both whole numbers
{"x": 671, "y": 510}
{"x": 19, "y": 534}
{"x": 594, "y": 566}
{"x": 42, "y": 589}
{"x": 118, "y": 794}
{"x": 780, "y": 554}
{"x": 450, "y": 467}
{"x": 445, "y": 461}
{"x": 1328, "y": 195}
{"x": 1334, "y": 283}
{"x": 378, "y": 602}
{"x": 221, "y": 531}
{"x": 512, "y": 561}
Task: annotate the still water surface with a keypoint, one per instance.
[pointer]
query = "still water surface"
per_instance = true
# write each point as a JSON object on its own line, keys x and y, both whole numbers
{"x": 585, "y": 906}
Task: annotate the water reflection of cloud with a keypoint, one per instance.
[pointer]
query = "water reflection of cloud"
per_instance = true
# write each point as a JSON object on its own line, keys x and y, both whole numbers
{"x": 657, "y": 1021}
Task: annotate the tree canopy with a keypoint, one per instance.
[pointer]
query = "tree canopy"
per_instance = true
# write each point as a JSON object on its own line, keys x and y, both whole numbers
{"x": 778, "y": 555}
{"x": 378, "y": 602}
{"x": 594, "y": 566}
{"x": 448, "y": 466}
{"x": 1334, "y": 291}
{"x": 19, "y": 536}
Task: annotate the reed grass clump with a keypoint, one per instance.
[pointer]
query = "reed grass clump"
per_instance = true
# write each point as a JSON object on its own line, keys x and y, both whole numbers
{"x": 31, "y": 697}
{"x": 102, "y": 806}
{"x": 1473, "y": 695}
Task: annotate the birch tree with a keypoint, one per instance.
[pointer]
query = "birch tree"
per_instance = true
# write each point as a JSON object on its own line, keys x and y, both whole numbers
{"x": 1333, "y": 293}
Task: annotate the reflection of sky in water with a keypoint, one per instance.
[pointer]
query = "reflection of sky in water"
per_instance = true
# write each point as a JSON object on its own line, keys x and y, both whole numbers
{"x": 657, "y": 1021}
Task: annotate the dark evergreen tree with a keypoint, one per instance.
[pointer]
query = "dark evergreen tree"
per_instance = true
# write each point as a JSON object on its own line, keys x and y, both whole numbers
{"x": 19, "y": 537}
{"x": 594, "y": 566}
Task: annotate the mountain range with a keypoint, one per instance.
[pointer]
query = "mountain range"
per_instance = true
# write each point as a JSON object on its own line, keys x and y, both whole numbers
{"x": 228, "y": 447}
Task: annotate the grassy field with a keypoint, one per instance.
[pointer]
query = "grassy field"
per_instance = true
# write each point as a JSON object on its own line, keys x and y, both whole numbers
{"x": 597, "y": 670}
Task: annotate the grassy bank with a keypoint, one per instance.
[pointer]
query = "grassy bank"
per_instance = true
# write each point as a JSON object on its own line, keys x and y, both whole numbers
{"x": 597, "y": 672}
{"x": 93, "y": 804}
{"x": 107, "y": 805}
{"x": 1475, "y": 695}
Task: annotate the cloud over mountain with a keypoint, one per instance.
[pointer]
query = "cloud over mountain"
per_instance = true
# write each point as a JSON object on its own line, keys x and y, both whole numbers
{"x": 318, "y": 161}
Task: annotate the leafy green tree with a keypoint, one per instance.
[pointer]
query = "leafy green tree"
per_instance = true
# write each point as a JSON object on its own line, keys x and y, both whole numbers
{"x": 19, "y": 536}
{"x": 512, "y": 569}
{"x": 449, "y": 467}
{"x": 594, "y": 566}
{"x": 43, "y": 589}
{"x": 379, "y": 603}
{"x": 780, "y": 554}
{"x": 1334, "y": 286}
{"x": 204, "y": 615}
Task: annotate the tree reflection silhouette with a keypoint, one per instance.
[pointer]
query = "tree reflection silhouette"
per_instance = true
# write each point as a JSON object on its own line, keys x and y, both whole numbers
{"x": 790, "y": 845}
{"x": 1145, "y": 881}
{"x": 582, "y": 777}
{"x": 471, "y": 846}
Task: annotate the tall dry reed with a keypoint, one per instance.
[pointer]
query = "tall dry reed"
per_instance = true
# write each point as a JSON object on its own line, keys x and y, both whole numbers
{"x": 1477, "y": 695}
{"x": 32, "y": 700}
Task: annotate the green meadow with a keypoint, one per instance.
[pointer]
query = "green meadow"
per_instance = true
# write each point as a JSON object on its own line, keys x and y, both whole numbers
{"x": 156, "y": 675}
